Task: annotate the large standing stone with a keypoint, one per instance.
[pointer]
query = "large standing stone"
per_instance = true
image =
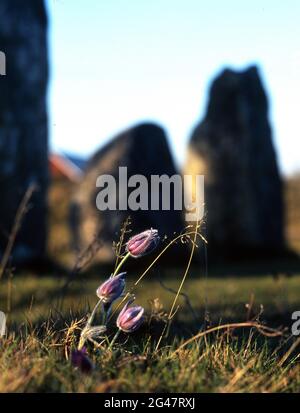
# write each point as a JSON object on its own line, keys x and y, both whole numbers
{"x": 143, "y": 150}
{"x": 233, "y": 148}
{"x": 23, "y": 123}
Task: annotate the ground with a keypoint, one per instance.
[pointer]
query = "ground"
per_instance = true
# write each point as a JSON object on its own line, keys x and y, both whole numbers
{"x": 34, "y": 357}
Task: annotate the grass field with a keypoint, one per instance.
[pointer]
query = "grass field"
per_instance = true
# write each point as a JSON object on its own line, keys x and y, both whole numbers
{"x": 34, "y": 356}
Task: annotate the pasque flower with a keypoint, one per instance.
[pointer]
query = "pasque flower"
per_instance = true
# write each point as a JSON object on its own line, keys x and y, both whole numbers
{"x": 112, "y": 288}
{"x": 143, "y": 243}
{"x": 80, "y": 360}
{"x": 130, "y": 318}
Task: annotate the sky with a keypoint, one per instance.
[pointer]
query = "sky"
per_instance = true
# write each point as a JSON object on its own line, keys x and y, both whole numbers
{"x": 114, "y": 63}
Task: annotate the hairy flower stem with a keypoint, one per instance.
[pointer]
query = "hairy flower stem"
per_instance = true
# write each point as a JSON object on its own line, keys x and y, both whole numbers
{"x": 121, "y": 263}
{"x": 88, "y": 324}
{"x": 82, "y": 339}
{"x": 114, "y": 339}
{"x": 92, "y": 316}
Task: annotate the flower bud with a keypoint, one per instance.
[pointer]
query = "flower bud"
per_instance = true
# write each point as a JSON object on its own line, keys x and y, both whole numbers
{"x": 112, "y": 288}
{"x": 80, "y": 360}
{"x": 130, "y": 318}
{"x": 143, "y": 243}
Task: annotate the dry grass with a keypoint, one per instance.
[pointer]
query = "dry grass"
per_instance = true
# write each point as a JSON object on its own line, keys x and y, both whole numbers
{"x": 35, "y": 361}
{"x": 34, "y": 356}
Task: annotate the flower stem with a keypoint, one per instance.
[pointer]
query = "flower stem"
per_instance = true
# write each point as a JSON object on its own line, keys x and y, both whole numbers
{"x": 91, "y": 318}
{"x": 121, "y": 263}
{"x": 114, "y": 339}
{"x": 81, "y": 340}
{"x": 88, "y": 323}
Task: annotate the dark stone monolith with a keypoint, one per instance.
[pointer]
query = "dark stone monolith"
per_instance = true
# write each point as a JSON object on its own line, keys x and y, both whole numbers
{"x": 143, "y": 150}
{"x": 23, "y": 124}
{"x": 232, "y": 147}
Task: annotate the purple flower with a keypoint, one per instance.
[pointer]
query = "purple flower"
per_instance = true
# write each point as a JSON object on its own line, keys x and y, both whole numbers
{"x": 130, "y": 318}
{"x": 112, "y": 288}
{"x": 143, "y": 243}
{"x": 80, "y": 359}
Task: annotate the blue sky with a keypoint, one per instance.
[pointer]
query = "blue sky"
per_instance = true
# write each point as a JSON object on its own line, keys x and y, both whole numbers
{"x": 118, "y": 62}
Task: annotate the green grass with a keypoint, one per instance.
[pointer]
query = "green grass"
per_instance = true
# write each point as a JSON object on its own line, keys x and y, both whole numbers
{"x": 33, "y": 356}
{"x": 225, "y": 298}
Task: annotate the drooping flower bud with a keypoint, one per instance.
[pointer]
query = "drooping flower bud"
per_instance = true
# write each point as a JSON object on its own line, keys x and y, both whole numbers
{"x": 80, "y": 360}
{"x": 143, "y": 243}
{"x": 130, "y": 318}
{"x": 112, "y": 288}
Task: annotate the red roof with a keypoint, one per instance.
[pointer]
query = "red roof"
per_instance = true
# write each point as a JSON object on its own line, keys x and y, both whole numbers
{"x": 60, "y": 166}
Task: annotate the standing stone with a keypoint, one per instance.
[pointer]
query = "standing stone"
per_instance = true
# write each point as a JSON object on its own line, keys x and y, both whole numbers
{"x": 23, "y": 123}
{"x": 144, "y": 150}
{"x": 232, "y": 147}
